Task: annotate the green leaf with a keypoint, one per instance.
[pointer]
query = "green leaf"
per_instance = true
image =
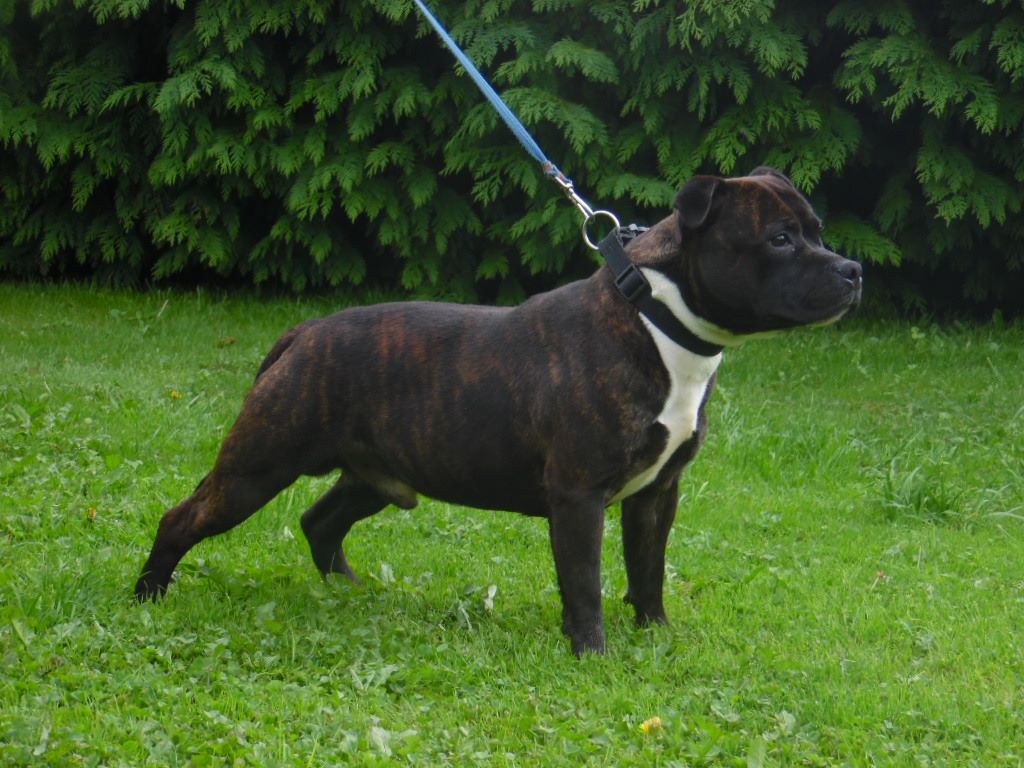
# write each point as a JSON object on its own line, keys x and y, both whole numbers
{"x": 594, "y": 65}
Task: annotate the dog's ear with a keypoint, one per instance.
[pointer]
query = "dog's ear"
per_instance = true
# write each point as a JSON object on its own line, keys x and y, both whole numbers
{"x": 765, "y": 170}
{"x": 694, "y": 200}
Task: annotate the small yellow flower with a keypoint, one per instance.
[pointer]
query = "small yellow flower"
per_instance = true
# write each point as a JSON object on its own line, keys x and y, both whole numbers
{"x": 91, "y": 514}
{"x": 651, "y": 725}
{"x": 175, "y": 394}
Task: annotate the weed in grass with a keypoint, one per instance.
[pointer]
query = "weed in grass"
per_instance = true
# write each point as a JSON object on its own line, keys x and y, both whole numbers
{"x": 923, "y": 495}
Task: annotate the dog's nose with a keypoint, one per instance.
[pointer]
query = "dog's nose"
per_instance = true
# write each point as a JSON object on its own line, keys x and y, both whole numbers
{"x": 851, "y": 270}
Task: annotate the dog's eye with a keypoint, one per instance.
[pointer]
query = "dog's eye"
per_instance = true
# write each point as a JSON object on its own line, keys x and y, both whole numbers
{"x": 780, "y": 240}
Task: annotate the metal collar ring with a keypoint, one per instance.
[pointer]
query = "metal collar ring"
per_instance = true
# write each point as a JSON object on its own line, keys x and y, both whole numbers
{"x": 586, "y": 223}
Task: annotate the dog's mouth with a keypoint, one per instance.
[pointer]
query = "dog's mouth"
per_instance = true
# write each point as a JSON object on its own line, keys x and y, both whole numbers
{"x": 826, "y": 304}
{"x": 848, "y": 301}
{"x": 856, "y": 292}
{"x": 810, "y": 297}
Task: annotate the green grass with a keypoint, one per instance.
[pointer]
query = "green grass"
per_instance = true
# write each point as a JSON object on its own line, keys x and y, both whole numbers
{"x": 846, "y": 578}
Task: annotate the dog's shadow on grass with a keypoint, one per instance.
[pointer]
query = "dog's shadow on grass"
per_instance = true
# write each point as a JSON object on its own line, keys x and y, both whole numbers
{"x": 250, "y": 599}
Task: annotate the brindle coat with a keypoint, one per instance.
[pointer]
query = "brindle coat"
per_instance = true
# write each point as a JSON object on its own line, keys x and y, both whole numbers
{"x": 548, "y": 408}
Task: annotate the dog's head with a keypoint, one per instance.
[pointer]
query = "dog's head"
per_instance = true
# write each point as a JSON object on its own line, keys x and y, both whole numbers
{"x": 751, "y": 259}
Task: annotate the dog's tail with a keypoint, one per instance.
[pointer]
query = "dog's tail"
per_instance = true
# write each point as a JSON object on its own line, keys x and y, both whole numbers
{"x": 279, "y": 348}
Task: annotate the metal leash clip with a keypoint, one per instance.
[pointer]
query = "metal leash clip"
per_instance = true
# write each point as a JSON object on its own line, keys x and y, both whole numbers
{"x": 589, "y": 214}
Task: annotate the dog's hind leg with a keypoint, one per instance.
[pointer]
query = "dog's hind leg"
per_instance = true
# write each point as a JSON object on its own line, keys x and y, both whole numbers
{"x": 329, "y": 520}
{"x": 273, "y": 442}
{"x": 223, "y": 500}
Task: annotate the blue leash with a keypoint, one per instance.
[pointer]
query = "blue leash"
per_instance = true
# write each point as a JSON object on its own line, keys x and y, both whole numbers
{"x": 506, "y": 114}
{"x": 518, "y": 129}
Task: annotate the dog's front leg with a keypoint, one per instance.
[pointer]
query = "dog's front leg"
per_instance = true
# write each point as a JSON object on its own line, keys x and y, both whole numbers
{"x": 577, "y": 526}
{"x": 646, "y": 521}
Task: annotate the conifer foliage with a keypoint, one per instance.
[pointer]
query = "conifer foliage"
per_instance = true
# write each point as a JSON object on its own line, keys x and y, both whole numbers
{"x": 335, "y": 143}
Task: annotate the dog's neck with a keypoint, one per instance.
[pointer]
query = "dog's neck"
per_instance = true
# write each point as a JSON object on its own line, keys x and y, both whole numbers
{"x": 653, "y": 252}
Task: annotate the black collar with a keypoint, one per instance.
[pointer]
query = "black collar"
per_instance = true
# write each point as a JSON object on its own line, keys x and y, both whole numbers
{"x": 633, "y": 286}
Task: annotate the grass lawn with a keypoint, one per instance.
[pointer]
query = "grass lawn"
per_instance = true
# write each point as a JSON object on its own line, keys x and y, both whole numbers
{"x": 846, "y": 578}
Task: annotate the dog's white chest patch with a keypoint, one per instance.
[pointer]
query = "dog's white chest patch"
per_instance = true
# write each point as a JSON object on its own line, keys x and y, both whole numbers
{"x": 689, "y": 375}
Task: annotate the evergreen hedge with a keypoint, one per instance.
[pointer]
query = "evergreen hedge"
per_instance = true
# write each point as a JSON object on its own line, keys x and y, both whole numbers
{"x": 314, "y": 143}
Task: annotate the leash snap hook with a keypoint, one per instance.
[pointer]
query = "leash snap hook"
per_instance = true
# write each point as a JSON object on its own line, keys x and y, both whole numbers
{"x": 589, "y": 214}
{"x": 590, "y": 217}
{"x": 570, "y": 192}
